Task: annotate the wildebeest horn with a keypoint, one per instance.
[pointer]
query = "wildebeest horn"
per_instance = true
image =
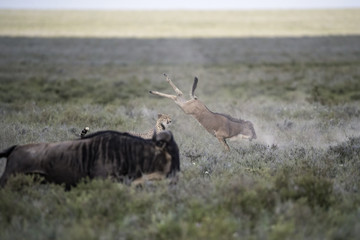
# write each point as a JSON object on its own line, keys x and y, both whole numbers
{"x": 164, "y": 136}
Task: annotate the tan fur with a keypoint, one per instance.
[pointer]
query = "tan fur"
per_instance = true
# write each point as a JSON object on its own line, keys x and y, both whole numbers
{"x": 162, "y": 123}
{"x": 222, "y": 126}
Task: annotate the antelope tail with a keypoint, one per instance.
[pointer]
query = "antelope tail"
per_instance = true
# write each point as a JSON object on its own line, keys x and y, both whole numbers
{"x": 194, "y": 87}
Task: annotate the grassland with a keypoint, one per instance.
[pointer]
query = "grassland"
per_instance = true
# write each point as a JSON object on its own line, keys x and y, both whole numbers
{"x": 298, "y": 180}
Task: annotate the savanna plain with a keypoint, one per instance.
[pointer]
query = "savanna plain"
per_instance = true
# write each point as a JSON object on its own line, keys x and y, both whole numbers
{"x": 294, "y": 74}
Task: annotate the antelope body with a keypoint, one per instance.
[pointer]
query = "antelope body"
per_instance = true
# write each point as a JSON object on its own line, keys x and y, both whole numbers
{"x": 222, "y": 126}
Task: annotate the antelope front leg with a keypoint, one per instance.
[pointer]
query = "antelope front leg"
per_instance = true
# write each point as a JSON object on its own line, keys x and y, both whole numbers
{"x": 178, "y": 92}
{"x": 173, "y": 97}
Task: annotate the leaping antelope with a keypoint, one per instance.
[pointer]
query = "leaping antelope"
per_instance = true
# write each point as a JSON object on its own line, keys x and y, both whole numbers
{"x": 220, "y": 125}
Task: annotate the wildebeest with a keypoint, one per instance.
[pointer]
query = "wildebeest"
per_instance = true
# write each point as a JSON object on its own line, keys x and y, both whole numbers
{"x": 117, "y": 155}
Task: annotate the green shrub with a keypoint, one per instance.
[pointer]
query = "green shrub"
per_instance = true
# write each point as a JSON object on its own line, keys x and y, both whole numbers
{"x": 316, "y": 190}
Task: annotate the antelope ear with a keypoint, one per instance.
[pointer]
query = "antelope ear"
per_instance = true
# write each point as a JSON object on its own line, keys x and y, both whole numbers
{"x": 194, "y": 87}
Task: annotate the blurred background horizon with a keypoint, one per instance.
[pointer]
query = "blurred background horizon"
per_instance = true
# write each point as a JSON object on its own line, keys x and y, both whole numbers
{"x": 180, "y": 5}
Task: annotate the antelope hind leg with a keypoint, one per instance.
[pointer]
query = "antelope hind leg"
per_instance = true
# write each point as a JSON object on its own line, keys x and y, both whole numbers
{"x": 178, "y": 92}
{"x": 223, "y": 142}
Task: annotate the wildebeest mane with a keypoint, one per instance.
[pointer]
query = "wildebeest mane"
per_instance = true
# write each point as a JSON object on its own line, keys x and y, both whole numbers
{"x": 95, "y": 134}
